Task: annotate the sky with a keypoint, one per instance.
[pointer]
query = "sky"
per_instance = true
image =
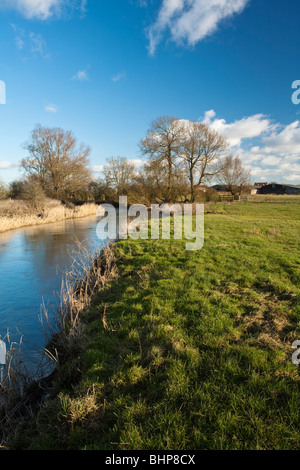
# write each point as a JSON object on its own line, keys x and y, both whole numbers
{"x": 105, "y": 69}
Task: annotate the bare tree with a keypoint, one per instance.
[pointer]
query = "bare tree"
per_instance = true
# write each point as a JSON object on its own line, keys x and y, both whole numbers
{"x": 119, "y": 174}
{"x": 152, "y": 183}
{"x": 234, "y": 175}
{"x": 61, "y": 168}
{"x": 100, "y": 191}
{"x": 202, "y": 148}
{"x": 162, "y": 144}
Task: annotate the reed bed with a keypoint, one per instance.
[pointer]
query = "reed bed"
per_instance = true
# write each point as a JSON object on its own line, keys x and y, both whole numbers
{"x": 92, "y": 268}
{"x": 16, "y": 214}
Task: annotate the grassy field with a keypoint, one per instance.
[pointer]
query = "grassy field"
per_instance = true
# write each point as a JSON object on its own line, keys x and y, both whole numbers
{"x": 15, "y": 214}
{"x": 188, "y": 350}
{"x": 275, "y": 198}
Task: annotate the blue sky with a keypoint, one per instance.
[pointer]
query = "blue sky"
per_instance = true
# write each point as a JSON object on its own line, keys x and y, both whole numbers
{"x": 106, "y": 69}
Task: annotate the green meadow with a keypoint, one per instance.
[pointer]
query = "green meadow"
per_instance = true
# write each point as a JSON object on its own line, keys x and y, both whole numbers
{"x": 188, "y": 350}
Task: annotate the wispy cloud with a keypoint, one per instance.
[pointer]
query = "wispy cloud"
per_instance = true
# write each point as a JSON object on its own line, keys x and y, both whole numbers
{"x": 119, "y": 76}
{"x": 38, "y": 45}
{"x": 19, "y": 43}
{"x": 5, "y": 165}
{"x": 190, "y": 21}
{"x": 19, "y": 36}
{"x": 81, "y": 75}
{"x": 30, "y": 42}
{"x": 51, "y": 108}
{"x": 43, "y": 9}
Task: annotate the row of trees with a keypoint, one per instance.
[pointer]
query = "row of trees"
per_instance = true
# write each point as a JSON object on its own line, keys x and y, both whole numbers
{"x": 180, "y": 157}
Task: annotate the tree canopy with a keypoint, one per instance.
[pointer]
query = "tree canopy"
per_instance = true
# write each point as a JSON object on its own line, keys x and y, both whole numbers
{"x": 55, "y": 161}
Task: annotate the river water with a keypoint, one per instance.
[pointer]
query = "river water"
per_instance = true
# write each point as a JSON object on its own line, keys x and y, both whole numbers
{"x": 32, "y": 263}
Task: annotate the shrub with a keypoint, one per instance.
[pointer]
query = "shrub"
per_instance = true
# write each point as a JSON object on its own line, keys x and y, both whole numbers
{"x": 33, "y": 193}
{"x": 212, "y": 195}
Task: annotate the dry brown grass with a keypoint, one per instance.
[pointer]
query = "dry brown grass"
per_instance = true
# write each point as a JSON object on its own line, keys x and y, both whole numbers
{"x": 16, "y": 214}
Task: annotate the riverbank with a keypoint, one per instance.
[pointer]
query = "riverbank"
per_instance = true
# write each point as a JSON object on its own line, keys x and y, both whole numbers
{"x": 184, "y": 350}
{"x": 16, "y": 214}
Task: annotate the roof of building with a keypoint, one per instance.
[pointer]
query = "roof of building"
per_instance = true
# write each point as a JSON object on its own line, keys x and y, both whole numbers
{"x": 285, "y": 185}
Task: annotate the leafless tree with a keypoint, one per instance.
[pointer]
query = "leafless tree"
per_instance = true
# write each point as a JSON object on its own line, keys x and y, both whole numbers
{"x": 234, "y": 175}
{"x": 119, "y": 174}
{"x": 202, "y": 148}
{"x": 54, "y": 160}
{"x": 162, "y": 145}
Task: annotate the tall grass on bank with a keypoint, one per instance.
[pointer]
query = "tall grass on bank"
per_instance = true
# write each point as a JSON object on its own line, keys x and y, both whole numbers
{"x": 20, "y": 394}
{"x": 92, "y": 268}
{"x": 16, "y": 214}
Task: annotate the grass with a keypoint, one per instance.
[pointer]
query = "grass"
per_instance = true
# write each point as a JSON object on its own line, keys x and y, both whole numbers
{"x": 188, "y": 350}
{"x": 16, "y": 214}
{"x": 286, "y": 198}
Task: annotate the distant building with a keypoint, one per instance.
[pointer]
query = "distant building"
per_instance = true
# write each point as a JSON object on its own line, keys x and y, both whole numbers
{"x": 221, "y": 188}
{"x": 260, "y": 185}
{"x": 203, "y": 188}
{"x": 253, "y": 190}
{"x": 276, "y": 188}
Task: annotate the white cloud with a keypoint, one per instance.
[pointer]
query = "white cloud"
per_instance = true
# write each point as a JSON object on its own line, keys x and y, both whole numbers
{"x": 119, "y": 77}
{"x": 98, "y": 168}
{"x": 191, "y": 21}
{"x": 42, "y": 9}
{"x": 294, "y": 178}
{"x": 239, "y": 130}
{"x": 276, "y": 153}
{"x": 286, "y": 141}
{"x": 138, "y": 163}
{"x": 5, "y": 165}
{"x": 270, "y": 160}
{"x": 51, "y": 108}
{"x": 81, "y": 75}
{"x": 209, "y": 115}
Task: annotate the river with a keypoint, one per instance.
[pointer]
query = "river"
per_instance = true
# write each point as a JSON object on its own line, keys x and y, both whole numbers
{"x": 32, "y": 263}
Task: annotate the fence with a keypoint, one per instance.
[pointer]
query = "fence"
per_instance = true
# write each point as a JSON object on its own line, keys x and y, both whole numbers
{"x": 226, "y": 197}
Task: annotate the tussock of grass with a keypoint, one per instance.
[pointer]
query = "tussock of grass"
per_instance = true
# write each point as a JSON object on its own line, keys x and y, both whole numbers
{"x": 189, "y": 350}
{"x": 16, "y": 214}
